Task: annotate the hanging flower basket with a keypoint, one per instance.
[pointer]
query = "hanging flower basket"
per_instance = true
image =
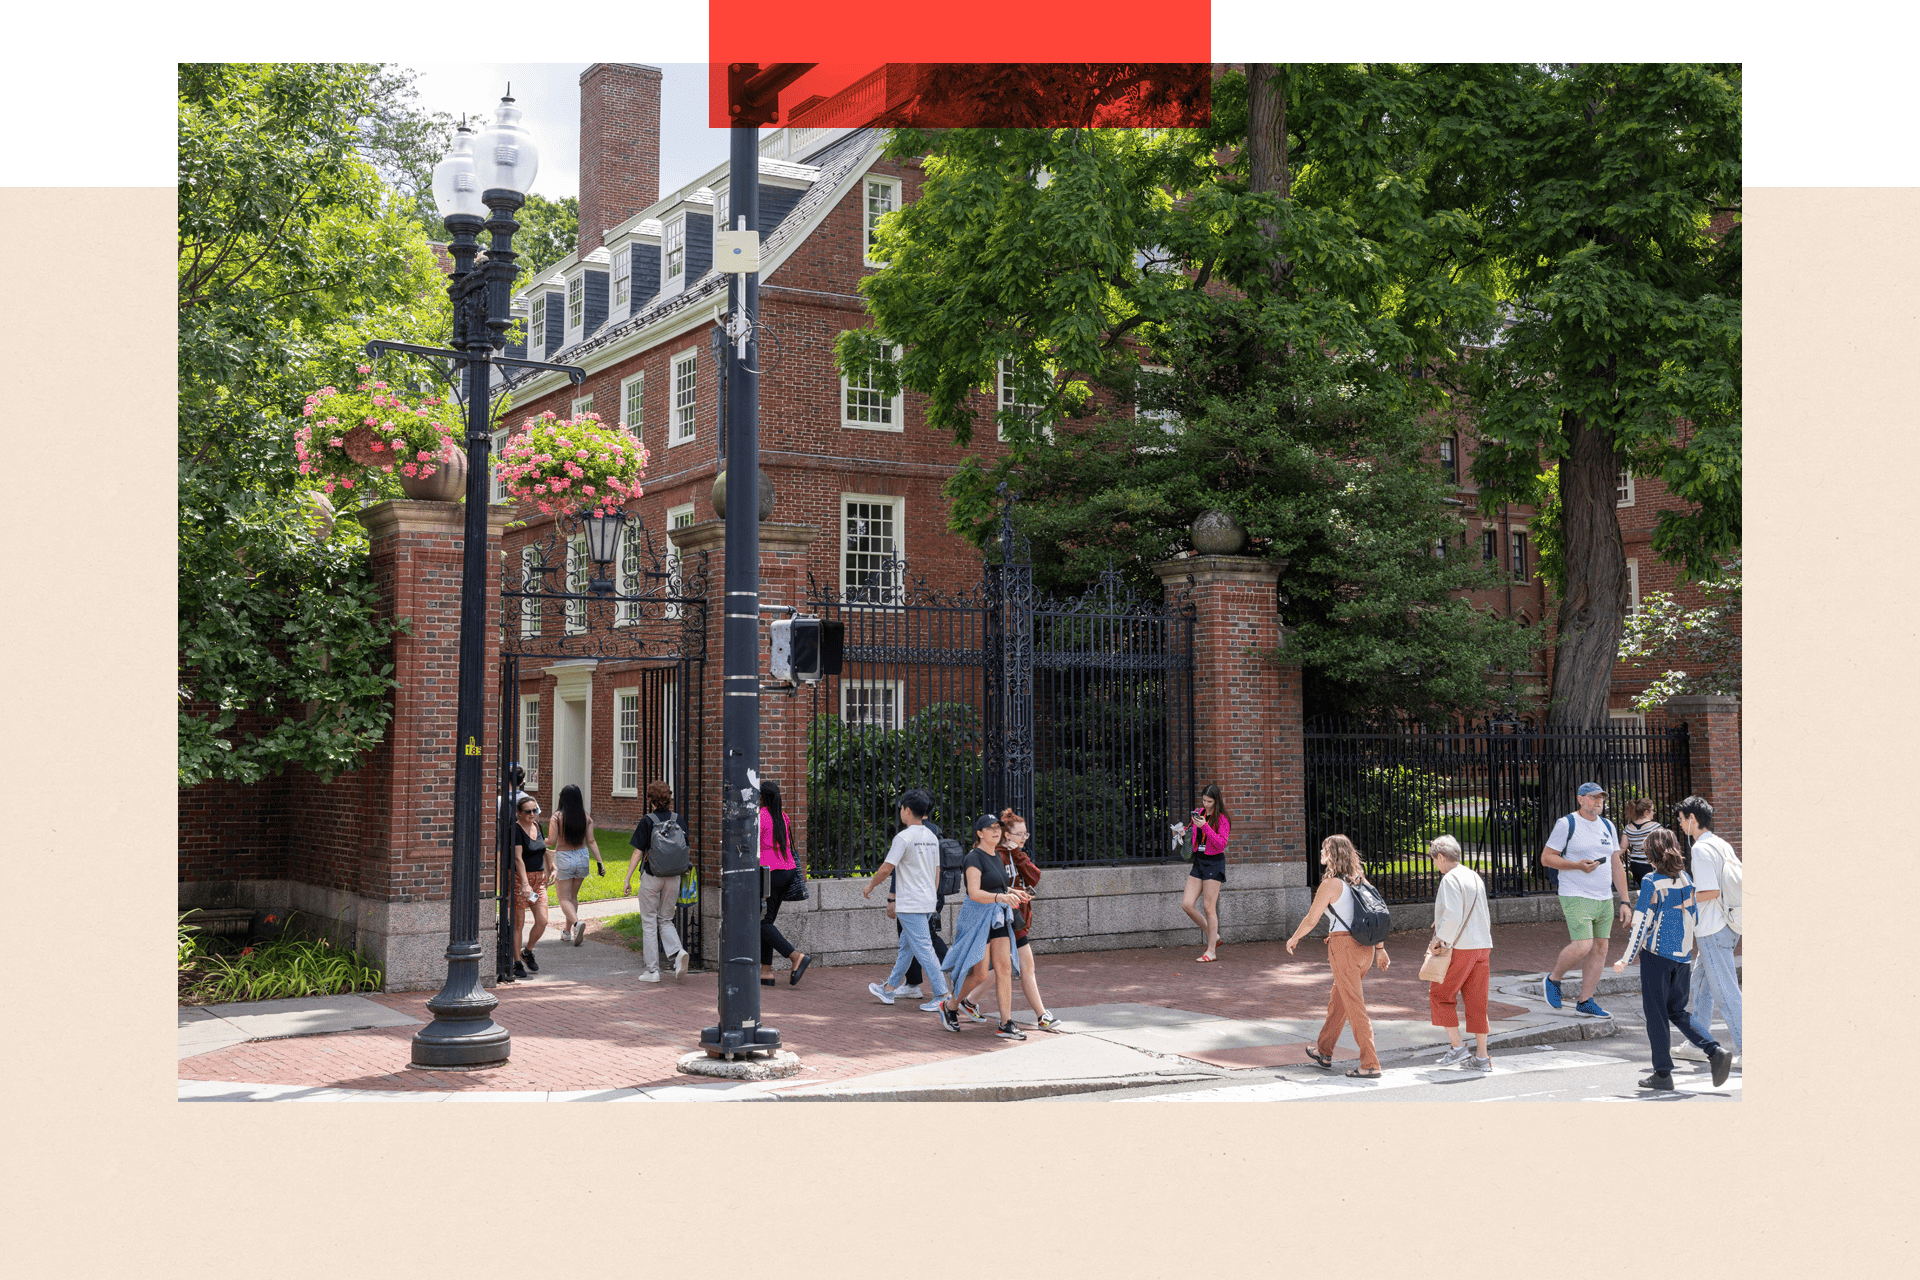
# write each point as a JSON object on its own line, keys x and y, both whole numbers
{"x": 572, "y": 464}
{"x": 371, "y": 428}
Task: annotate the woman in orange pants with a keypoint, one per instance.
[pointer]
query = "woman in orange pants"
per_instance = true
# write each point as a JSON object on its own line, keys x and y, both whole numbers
{"x": 1340, "y": 870}
{"x": 1461, "y": 930}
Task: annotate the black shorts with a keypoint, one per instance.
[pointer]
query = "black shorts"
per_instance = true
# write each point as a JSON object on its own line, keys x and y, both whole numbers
{"x": 1205, "y": 868}
{"x": 1019, "y": 941}
{"x": 998, "y": 931}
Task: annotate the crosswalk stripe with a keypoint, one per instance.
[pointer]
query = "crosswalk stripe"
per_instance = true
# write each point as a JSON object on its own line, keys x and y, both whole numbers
{"x": 1295, "y": 1090}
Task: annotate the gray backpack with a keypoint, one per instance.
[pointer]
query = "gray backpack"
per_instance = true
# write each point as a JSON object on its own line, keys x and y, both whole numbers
{"x": 668, "y": 856}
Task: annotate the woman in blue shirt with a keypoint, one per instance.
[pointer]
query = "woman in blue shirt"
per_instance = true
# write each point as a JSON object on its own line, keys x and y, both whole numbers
{"x": 1663, "y": 920}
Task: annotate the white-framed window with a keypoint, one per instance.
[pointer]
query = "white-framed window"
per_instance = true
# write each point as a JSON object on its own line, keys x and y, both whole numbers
{"x": 1623, "y": 489}
{"x": 1634, "y": 720}
{"x": 1008, "y": 400}
{"x": 622, "y": 277}
{"x": 722, "y": 215}
{"x": 1450, "y": 460}
{"x": 1168, "y": 419}
{"x": 576, "y": 306}
{"x": 582, "y": 405}
{"x": 871, "y": 549}
{"x": 872, "y": 704}
{"x": 673, "y": 257}
{"x": 537, "y": 327}
{"x": 1517, "y": 554}
{"x": 864, "y": 407}
{"x": 1490, "y": 546}
{"x": 633, "y": 404}
{"x": 677, "y": 518}
{"x": 500, "y": 439}
{"x": 686, "y": 395}
{"x": 880, "y": 197}
{"x": 626, "y": 742}
{"x": 629, "y": 581}
{"x": 530, "y": 740}
{"x": 1633, "y": 587}
{"x": 529, "y": 581}
{"x": 578, "y": 567}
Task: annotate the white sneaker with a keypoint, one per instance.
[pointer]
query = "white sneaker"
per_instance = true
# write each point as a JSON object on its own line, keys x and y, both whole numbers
{"x": 680, "y": 963}
{"x": 931, "y": 1006}
{"x": 1453, "y": 1057}
{"x": 880, "y": 993}
{"x": 652, "y": 975}
{"x": 912, "y": 990}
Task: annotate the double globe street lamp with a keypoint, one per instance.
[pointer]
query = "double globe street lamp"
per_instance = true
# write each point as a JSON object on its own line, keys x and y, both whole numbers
{"x": 478, "y": 187}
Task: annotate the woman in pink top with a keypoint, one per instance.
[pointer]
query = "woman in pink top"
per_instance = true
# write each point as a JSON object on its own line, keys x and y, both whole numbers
{"x": 776, "y": 854}
{"x": 1209, "y": 870}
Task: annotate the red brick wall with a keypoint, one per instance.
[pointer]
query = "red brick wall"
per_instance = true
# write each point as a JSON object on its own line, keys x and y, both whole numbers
{"x": 619, "y": 146}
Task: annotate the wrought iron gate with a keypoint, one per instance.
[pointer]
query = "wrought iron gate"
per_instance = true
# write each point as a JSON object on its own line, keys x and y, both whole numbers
{"x": 1076, "y": 713}
{"x": 646, "y": 624}
{"x": 1496, "y": 786}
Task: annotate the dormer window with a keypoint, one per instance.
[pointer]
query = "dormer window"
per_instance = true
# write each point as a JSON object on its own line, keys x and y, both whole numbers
{"x": 537, "y": 327}
{"x": 622, "y": 277}
{"x": 576, "y": 307}
{"x": 673, "y": 248}
{"x": 722, "y": 219}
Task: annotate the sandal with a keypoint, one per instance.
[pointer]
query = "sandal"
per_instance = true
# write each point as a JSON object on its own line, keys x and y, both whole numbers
{"x": 766, "y": 982}
{"x": 1358, "y": 1074}
{"x": 1205, "y": 959}
{"x": 1320, "y": 1059}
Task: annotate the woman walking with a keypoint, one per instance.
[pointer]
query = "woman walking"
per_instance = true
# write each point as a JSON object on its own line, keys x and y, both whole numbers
{"x": 1463, "y": 934}
{"x": 1208, "y": 875}
{"x": 658, "y": 894}
{"x": 1663, "y": 920}
{"x": 571, "y": 835}
{"x": 1640, "y": 825}
{"x": 529, "y": 883}
{"x": 984, "y": 930}
{"x": 1340, "y": 870}
{"x": 1026, "y": 878}
{"x": 776, "y": 854}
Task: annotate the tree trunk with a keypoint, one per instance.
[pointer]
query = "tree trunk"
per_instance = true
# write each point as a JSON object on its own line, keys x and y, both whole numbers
{"x": 1593, "y": 610}
{"x": 1267, "y": 143}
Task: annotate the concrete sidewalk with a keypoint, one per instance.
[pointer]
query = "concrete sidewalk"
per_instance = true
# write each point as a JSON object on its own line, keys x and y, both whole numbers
{"x": 585, "y": 1029}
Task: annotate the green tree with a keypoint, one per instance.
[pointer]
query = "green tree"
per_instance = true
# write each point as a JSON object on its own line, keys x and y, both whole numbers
{"x": 292, "y": 253}
{"x": 1604, "y": 199}
{"x": 549, "y": 231}
{"x": 1666, "y": 633}
{"x": 1285, "y": 327}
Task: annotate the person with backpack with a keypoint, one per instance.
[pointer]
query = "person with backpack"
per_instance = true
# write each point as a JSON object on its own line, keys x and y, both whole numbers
{"x": 660, "y": 854}
{"x": 1663, "y": 933}
{"x": 776, "y": 855}
{"x": 1584, "y": 848}
{"x": 948, "y": 881}
{"x": 1357, "y": 926}
{"x": 1717, "y": 874}
{"x": 913, "y": 864}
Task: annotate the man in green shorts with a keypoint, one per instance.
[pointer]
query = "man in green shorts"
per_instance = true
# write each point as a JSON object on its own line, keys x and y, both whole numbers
{"x": 1585, "y": 849}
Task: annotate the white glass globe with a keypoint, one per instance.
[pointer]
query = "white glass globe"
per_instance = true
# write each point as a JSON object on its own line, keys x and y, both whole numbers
{"x": 505, "y": 158}
{"x": 456, "y": 187}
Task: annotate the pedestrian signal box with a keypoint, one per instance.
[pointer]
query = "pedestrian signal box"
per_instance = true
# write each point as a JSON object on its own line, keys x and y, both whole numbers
{"x": 805, "y": 649}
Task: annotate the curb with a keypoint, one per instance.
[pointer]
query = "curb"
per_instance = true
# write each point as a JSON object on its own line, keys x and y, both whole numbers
{"x": 1018, "y": 1091}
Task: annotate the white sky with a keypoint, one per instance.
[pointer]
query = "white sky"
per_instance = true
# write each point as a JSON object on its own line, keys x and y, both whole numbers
{"x": 548, "y": 93}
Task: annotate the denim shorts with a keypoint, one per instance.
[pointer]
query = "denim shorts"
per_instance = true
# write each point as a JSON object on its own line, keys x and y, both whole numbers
{"x": 570, "y": 864}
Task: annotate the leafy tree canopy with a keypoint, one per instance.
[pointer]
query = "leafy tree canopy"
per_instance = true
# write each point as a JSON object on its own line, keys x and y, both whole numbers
{"x": 292, "y": 252}
{"x": 1665, "y": 633}
{"x": 549, "y": 231}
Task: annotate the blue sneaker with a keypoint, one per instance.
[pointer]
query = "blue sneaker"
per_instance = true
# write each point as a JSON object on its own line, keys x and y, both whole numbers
{"x": 1552, "y": 990}
{"x": 1592, "y": 1009}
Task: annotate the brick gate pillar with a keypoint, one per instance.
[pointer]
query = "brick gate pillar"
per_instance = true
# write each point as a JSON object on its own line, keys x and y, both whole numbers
{"x": 783, "y": 719}
{"x": 1713, "y": 729}
{"x": 405, "y": 872}
{"x": 1247, "y": 732}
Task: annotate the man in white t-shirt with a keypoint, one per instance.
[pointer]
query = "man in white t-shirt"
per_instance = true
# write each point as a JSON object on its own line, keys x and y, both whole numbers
{"x": 1585, "y": 849}
{"x": 1715, "y": 980}
{"x": 914, "y": 863}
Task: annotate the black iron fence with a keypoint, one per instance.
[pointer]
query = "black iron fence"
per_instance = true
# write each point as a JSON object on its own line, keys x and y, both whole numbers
{"x": 1078, "y": 714}
{"x": 1497, "y": 787}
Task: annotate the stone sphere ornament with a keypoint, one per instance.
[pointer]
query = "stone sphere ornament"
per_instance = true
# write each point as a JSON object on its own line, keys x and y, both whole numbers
{"x": 1216, "y": 533}
{"x": 719, "y": 496}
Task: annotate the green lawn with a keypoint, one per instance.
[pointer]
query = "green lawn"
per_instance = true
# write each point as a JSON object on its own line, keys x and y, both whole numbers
{"x": 617, "y": 849}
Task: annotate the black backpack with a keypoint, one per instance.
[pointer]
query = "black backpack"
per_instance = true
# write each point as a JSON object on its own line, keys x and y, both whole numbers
{"x": 1371, "y": 922}
{"x": 668, "y": 856}
{"x": 953, "y": 862}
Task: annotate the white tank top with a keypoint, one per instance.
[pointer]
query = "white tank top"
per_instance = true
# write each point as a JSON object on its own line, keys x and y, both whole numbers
{"x": 1342, "y": 904}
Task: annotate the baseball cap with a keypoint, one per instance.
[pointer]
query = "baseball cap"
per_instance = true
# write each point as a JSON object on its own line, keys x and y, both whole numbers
{"x": 1591, "y": 789}
{"x": 984, "y": 821}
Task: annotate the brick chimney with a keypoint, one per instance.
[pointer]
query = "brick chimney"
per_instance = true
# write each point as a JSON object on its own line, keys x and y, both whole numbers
{"x": 619, "y": 146}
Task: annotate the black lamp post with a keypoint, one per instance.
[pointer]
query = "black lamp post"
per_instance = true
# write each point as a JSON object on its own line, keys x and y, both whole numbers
{"x": 488, "y": 175}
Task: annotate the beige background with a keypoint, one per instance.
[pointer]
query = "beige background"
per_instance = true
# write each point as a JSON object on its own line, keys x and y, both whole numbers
{"x": 108, "y": 1176}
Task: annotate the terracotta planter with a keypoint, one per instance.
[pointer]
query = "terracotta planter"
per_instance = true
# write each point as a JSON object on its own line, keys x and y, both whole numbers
{"x": 357, "y": 443}
{"x": 448, "y": 483}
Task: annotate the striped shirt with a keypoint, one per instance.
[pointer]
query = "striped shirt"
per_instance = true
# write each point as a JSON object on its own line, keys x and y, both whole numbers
{"x": 1636, "y": 834}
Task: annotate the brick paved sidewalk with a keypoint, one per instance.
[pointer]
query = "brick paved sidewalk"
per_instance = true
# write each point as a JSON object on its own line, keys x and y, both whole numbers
{"x": 586, "y": 1023}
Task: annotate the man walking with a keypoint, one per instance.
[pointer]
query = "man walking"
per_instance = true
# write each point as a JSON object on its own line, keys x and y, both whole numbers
{"x": 1585, "y": 849}
{"x": 1714, "y": 978}
{"x": 914, "y": 863}
{"x": 916, "y": 972}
